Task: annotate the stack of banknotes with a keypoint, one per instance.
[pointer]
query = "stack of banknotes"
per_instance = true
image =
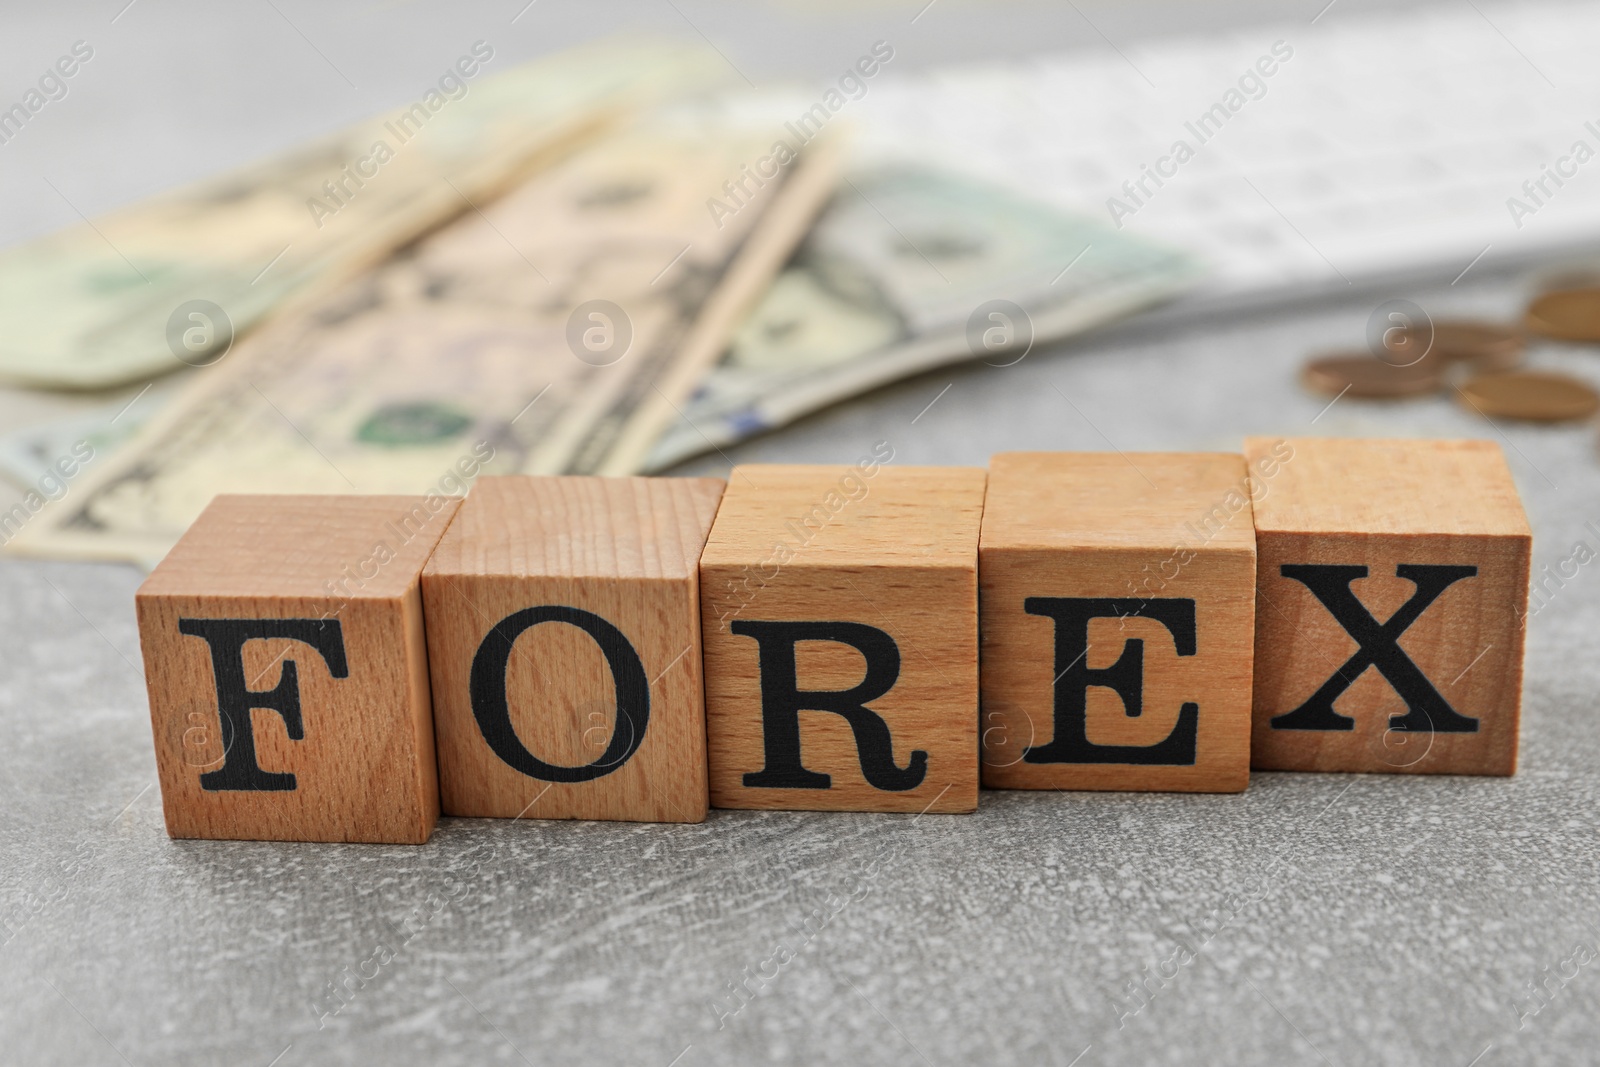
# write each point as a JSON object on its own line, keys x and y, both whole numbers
{"x": 582, "y": 265}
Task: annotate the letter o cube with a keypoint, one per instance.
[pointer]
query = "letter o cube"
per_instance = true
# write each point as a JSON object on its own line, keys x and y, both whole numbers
{"x": 564, "y": 646}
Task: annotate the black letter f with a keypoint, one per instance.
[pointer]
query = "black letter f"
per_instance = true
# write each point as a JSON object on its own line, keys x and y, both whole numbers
{"x": 235, "y": 698}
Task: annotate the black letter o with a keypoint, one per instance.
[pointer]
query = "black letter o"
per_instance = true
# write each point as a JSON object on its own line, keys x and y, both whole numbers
{"x": 488, "y": 691}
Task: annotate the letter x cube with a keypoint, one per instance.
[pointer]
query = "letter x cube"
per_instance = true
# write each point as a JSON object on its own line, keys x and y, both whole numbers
{"x": 1392, "y": 590}
{"x": 840, "y": 619}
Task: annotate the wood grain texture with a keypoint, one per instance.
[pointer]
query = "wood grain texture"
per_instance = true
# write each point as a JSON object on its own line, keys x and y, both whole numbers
{"x": 623, "y": 549}
{"x": 364, "y": 769}
{"x": 1140, "y": 529}
{"x": 1403, "y": 510}
{"x": 891, "y": 549}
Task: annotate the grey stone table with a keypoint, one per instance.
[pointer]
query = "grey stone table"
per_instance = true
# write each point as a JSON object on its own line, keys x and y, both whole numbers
{"x": 1313, "y": 919}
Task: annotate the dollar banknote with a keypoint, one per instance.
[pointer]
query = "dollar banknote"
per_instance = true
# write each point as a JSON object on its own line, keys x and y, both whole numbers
{"x": 911, "y": 267}
{"x": 557, "y": 330}
{"x": 105, "y": 303}
{"x": 28, "y": 453}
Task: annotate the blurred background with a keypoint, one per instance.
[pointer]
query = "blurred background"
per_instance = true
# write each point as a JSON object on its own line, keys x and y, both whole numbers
{"x": 285, "y": 249}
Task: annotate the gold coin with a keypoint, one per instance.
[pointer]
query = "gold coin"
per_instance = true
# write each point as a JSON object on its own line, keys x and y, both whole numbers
{"x": 1485, "y": 345}
{"x": 1539, "y": 396}
{"x": 1566, "y": 314}
{"x": 1363, "y": 374}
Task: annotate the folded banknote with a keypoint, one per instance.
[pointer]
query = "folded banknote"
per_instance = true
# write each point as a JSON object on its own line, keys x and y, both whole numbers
{"x": 172, "y": 280}
{"x": 559, "y": 330}
{"x": 909, "y": 268}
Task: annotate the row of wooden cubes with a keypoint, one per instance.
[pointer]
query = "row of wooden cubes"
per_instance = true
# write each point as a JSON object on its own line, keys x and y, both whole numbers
{"x": 866, "y": 637}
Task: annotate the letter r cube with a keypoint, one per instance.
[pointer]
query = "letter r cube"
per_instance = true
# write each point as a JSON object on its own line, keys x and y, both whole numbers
{"x": 1391, "y": 598}
{"x": 839, "y": 613}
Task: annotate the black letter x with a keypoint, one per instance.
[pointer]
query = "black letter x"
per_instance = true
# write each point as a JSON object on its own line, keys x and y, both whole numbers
{"x": 1427, "y": 710}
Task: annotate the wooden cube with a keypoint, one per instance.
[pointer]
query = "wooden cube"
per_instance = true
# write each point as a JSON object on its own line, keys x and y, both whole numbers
{"x": 287, "y": 670}
{"x": 1393, "y": 584}
{"x": 564, "y": 644}
{"x": 840, "y": 614}
{"x": 1118, "y": 618}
